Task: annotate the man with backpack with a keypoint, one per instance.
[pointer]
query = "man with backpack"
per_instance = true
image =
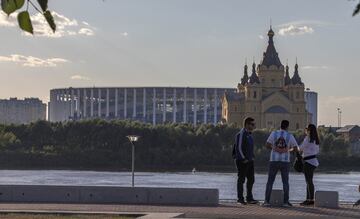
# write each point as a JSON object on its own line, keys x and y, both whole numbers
{"x": 243, "y": 153}
{"x": 281, "y": 142}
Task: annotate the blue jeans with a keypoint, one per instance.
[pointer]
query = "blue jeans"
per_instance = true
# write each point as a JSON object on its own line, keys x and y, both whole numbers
{"x": 274, "y": 167}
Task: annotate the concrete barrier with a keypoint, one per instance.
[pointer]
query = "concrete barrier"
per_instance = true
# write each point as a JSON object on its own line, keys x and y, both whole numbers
{"x": 109, "y": 194}
{"x": 277, "y": 197}
{"x": 327, "y": 199}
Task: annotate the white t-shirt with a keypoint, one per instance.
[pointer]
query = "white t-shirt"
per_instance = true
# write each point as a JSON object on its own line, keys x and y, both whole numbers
{"x": 310, "y": 149}
{"x": 290, "y": 143}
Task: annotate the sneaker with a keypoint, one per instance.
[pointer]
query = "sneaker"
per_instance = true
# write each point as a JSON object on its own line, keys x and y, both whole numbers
{"x": 266, "y": 204}
{"x": 241, "y": 202}
{"x": 309, "y": 203}
{"x": 304, "y": 203}
{"x": 288, "y": 204}
{"x": 252, "y": 201}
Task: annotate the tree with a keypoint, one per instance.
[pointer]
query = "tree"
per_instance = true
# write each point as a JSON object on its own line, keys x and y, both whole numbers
{"x": 23, "y": 17}
{"x": 357, "y": 9}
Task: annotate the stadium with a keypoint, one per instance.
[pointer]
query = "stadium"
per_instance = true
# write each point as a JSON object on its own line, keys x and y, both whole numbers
{"x": 154, "y": 105}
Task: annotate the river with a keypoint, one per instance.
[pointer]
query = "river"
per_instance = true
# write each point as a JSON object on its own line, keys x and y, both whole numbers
{"x": 345, "y": 184}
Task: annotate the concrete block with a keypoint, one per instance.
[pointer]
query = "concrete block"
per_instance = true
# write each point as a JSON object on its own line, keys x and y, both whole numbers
{"x": 108, "y": 194}
{"x": 121, "y": 195}
{"x": 277, "y": 197}
{"x": 5, "y": 193}
{"x": 327, "y": 199}
{"x": 61, "y": 194}
{"x": 184, "y": 196}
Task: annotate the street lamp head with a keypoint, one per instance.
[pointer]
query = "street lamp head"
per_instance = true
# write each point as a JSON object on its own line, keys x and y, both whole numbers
{"x": 133, "y": 138}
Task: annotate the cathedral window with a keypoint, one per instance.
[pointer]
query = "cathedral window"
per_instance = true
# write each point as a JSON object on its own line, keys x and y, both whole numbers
{"x": 255, "y": 95}
{"x": 297, "y": 95}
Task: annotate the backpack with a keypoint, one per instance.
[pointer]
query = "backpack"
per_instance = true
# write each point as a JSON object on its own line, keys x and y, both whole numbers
{"x": 281, "y": 142}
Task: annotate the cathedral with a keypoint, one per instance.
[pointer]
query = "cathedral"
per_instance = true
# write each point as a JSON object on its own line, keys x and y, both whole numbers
{"x": 269, "y": 94}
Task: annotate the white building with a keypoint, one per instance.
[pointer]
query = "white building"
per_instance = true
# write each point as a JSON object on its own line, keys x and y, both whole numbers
{"x": 15, "y": 111}
{"x": 311, "y": 99}
{"x": 154, "y": 105}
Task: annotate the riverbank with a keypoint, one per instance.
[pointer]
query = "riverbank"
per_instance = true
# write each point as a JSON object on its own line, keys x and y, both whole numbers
{"x": 199, "y": 168}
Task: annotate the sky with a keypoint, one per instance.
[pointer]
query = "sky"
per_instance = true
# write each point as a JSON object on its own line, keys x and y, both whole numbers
{"x": 202, "y": 43}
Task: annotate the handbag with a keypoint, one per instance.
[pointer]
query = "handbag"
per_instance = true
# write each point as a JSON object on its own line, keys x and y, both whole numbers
{"x": 299, "y": 161}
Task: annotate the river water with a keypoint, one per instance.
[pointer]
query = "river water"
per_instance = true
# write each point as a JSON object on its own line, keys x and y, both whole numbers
{"x": 345, "y": 184}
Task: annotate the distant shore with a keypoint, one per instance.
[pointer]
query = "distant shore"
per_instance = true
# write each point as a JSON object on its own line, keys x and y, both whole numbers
{"x": 259, "y": 170}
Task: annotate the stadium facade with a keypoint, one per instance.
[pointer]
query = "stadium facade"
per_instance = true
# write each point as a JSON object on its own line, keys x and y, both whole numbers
{"x": 154, "y": 105}
{"x": 171, "y": 104}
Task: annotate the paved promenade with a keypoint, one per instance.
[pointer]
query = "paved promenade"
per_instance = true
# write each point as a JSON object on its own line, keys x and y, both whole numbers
{"x": 224, "y": 210}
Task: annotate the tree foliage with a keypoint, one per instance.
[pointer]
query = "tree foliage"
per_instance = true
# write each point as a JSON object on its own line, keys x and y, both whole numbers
{"x": 357, "y": 9}
{"x": 99, "y": 144}
{"x": 23, "y": 17}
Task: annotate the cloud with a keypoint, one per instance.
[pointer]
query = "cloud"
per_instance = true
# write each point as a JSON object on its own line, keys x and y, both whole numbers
{"x": 314, "y": 23}
{"x": 6, "y": 21}
{"x": 80, "y": 77}
{"x": 86, "y": 31}
{"x": 310, "y": 67}
{"x": 295, "y": 30}
{"x": 30, "y": 61}
{"x": 125, "y": 34}
{"x": 300, "y": 27}
{"x": 261, "y": 37}
{"x": 64, "y": 25}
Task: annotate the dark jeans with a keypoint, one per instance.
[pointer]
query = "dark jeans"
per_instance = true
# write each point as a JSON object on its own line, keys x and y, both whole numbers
{"x": 309, "y": 175}
{"x": 245, "y": 170}
{"x": 274, "y": 167}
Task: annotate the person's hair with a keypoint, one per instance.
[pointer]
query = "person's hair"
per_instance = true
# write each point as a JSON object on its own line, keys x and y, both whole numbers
{"x": 285, "y": 124}
{"x": 248, "y": 120}
{"x": 314, "y": 137}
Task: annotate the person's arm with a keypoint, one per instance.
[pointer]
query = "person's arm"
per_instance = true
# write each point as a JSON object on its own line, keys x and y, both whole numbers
{"x": 239, "y": 146}
{"x": 304, "y": 144}
{"x": 237, "y": 156}
{"x": 268, "y": 145}
{"x": 244, "y": 147}
{"x": 293, "y": 144}
{"x": 270, "y": 141}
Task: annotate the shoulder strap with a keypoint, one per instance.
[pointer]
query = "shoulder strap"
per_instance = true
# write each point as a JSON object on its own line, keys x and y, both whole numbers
{"x": 288, "y": 135}
{"x": 277, "y": 136}
{"x": 309, "y": 157}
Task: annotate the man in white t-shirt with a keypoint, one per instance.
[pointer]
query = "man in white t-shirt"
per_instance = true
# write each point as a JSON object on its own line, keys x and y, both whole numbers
{"x": 281, "y": 142}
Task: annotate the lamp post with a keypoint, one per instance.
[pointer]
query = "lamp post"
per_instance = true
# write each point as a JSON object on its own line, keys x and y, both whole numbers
{"x": 132, "y": 139}
{"x": 339, "y": 117}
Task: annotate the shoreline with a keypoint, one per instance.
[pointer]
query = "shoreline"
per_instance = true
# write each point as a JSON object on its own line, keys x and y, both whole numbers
{"x": 171, "y": 171}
